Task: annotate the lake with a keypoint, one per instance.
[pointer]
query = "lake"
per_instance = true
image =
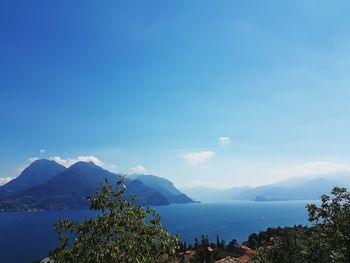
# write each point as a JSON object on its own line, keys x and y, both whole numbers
{"x": 25, "y": 236}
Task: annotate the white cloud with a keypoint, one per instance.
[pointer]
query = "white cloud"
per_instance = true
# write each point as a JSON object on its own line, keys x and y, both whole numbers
{"x": 42, "y": 150}
{"x": 5, "y": 180}
{"x": 138, "y": 169}
{"x": 224, "y": 141}
{"x": 112, "y": 167}
{"x": 195, "y": 158}
{"x": 90, "y": 159}
{"x": 61, "y": 161}
{"x": 21, "y": 168}
{"x": 70, "y": 161}
{"x": 33, "y": 159}
{"x": 317, "y": 167}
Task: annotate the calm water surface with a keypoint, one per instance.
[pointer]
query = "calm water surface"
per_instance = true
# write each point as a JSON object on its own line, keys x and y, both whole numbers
{"x": 25, "y": 236}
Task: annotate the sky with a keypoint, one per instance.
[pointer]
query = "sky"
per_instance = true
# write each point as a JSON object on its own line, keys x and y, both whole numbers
{"x": 215, "y": 93}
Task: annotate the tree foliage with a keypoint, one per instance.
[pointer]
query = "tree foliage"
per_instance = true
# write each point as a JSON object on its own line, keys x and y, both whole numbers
{"x": 331, "y": 233}
{"x": 122, "y": 232}
{"x": 326, "y": 241}
{"x": 219, "y": 250}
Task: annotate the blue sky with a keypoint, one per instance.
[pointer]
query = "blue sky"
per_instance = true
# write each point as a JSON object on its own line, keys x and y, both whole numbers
{"x": 156, "y": 84}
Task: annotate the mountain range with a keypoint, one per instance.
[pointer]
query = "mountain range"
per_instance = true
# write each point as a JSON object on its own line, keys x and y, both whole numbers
{"x": 163, "y": 186}
{"x": 47, "y": 185}
{"x": 294, "y": 188}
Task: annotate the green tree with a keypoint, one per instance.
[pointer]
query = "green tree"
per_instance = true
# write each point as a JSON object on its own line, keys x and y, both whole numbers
{"x": 289, "y": 247}
{"x": 122, "y": 232}
{"x": 327, "y": 241}
{"x": 331, "y": 233}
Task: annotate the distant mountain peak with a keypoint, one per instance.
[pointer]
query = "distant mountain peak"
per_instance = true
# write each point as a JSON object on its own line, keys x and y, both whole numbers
{"x": 36, "y": 173}
{"x": 84, "y": 164}
{"x": 42, "y": 161}
{"x": 164, "y": 186}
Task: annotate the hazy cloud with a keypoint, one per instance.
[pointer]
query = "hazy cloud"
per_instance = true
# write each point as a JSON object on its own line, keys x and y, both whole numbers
{"x": 195, "y": 158}
{"x": 317, "y": 167}
{"x": 112, "y": 167}
{"x": 5, "y": 180}
{"x": 70, "y": 161}
{"x": 224, "y": 141}
{"x": 33, "y": 159}
{"x": 21, "y": 168}
{"x": 138, "y": 169}
{"x": 42, "y": 150}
